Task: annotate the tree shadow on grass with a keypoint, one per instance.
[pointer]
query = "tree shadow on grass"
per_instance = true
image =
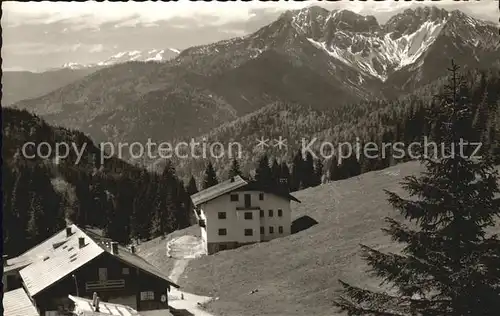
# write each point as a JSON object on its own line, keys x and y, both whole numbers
{"x": 303, "y": 223}
{"x": 180, "y": 312}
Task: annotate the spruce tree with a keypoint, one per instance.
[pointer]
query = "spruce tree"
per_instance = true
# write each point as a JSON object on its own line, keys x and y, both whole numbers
{"x": 191, "y": 187}
{"x": 309, "y": 174}
{"x": 210, "y": 178}
{"x": 142, "y": 207}
{"x": 173, "y": 199}
{"x": 36, "y": 229}
{"x": 297, "y": 175}
{"x": 235, "y": 169}
{"x": 352, "y": 166}
{"x": 333, "y": 170}
{"x": 263, "y": 173}
{"x": 123, "y": 202}
{"x": 450, "y": 262}
{"x": 285, "y": 176}
{"x": 318, "y": 172}
{"x": 276, "y": 172}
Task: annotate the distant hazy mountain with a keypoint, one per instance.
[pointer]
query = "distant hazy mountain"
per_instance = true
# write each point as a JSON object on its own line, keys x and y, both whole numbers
{"x": 313, "y": 57}
{"x": 21, "y": 85}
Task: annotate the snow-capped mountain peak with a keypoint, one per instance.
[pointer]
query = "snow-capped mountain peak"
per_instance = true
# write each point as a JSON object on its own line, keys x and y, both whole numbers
{"x": 379, "y": 50}
{"x": 126, "y": 56}
{"x": 72, "y": 65}
{"x": 346, "y": 44}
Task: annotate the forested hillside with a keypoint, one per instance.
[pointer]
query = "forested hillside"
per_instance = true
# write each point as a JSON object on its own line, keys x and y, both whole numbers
{"x": 380, "y": 121}
{"x": 313, "y": 57}
{"x": 130, "y": 202}
{"x": 40, "y": 195}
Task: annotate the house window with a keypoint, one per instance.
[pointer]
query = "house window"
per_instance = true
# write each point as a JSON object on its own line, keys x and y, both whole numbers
{"x": 261, "y": 196}
{"x": 271, "y": 230}
{"x": 222, "y": 232}
{"x": 262, "y": 231}
{"x": 248, "y": 215}
{"x": 248, "y": 232}
{"x": 280, "y": 229}
{"x": 147, "y": 296}
{"x": 103, "y": 274}
{"x": 222, "y": 247}
{"x": 280, "y": 213}
{"x": 261, "y": 213}
{"x": 222, "y": 215}
{"x": 270, "y": 213}
{"x": 125, "y": 271}
{"x": 234, "y": 198}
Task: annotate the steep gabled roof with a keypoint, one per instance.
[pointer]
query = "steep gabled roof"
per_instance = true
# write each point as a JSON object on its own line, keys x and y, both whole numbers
{"x": 218, "y": 190}
{"x": 57, "y": 263}
{"x": 17, "y": 303}
{"x": 37, "y": 252}
{"x": 66, "y": 256}
{"x": 276, "y": 190}
{"x": 236, "y": 184}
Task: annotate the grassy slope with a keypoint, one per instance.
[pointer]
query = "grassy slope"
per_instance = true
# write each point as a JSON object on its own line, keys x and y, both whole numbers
{"x": 298, "y": 275}
{"x": 155, "y": 250}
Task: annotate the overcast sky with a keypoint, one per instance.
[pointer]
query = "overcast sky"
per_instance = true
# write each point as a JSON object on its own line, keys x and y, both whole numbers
{"x": 94, "y": 13}
{"x": 47, "y": 34}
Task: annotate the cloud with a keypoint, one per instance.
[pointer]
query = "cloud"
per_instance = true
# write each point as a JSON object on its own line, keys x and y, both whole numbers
{"x": 484, "y": 9}
{"x": 33, "y": 48}
{"x": 97, "y": 48}
{"x": 48, "y": 34}
{"x": 94, "y": 13}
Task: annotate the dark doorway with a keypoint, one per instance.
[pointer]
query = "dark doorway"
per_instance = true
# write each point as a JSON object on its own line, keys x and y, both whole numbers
{"x": 248, "y": 200}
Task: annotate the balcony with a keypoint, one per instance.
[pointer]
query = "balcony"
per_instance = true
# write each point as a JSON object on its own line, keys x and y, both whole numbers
{"x": 247, "y": 208}
{"x": 105, "y": 285}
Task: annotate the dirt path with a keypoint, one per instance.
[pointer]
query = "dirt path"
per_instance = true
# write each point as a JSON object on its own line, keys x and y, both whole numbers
{"x": 179, "y": 267}
{"x": 183, "y": 250}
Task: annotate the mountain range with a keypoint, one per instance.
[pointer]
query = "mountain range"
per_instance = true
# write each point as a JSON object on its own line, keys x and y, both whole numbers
{"x": 21, "y": 85}
{"x": 313, "y": 57}
{"x": 123, "y": 57}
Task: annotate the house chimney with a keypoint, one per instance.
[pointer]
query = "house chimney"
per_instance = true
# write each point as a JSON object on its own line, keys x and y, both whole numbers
{"x": 132, "y": 249}
{"x": 81, "y": 242}
{"x": 114, "y": 247}
{"x": 95, "y": 302}
{"x": 68, "y": 231}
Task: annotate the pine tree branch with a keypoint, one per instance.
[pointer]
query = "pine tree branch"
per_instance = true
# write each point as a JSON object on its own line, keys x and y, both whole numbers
{"x": 356, "y": 310}
{"x": 427, "y": 214}
{"x": 365, "y": 302}
{"x": 409, "y": 274}
{"x": 426, "y": 246}
{"x": 357, "y": 301}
